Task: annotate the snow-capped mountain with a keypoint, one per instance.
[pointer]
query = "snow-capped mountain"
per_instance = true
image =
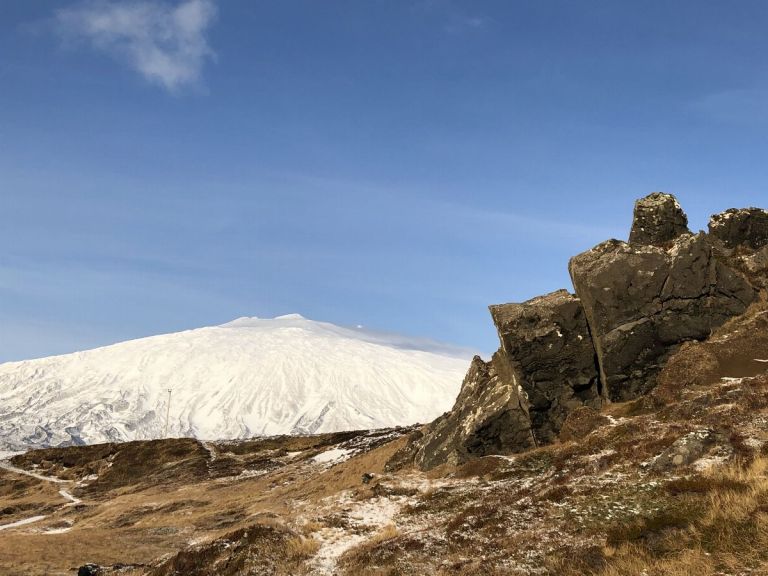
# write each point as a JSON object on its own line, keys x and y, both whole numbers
{"x": 246, "y": 378}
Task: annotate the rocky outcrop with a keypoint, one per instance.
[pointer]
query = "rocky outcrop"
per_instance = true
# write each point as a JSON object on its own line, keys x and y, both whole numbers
{"x": 490, "y": 417}
{"x": 746, "y": 227}
{"x": 658, "y": 220}
{"x": 548, "y": 343}
{"x": 545, "y": 368}
{"x": 636, "y": 303}
{"x": 642, "y": 301}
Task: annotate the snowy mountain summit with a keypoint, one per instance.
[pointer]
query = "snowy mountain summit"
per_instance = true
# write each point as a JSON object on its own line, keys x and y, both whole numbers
{"x": 246, "y": 378}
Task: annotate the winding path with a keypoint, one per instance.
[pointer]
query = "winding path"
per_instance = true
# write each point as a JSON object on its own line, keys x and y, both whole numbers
{"x": 71, "y": 500}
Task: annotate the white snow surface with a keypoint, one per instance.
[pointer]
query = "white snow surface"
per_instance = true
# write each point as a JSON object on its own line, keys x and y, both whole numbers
{"x": 334, "y": 455}
{"x": 24, "y": 522}
{"x": 249, "y": 377}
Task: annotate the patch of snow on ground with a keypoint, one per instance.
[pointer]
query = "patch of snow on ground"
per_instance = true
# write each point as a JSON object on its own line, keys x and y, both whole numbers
{"x": 73, "y": 501}
{"x": 244, "y": 475}
{"x": 87, "y": 480}
{"x": 212, "y": 455}
{"x": 334, "y": 456}
{"x": 22, "y": 522}
{"x": 53, "y": 479}
{"x": 365, "y": 518}
{"x": 57, "y": 530}
{"x": 9, "y": 455}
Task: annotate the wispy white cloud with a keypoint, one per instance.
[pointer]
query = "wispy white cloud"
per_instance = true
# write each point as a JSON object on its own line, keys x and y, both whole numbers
{"x": 165, "y": 43}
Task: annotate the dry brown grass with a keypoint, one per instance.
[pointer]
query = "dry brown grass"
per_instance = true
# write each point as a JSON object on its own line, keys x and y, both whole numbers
{"x": 730, "y": 351}
{"x": 720, "y": 528}
{"x": 157, "y": 497}
{"x": 22, "y": 497}
{"x": 264, "y": 548}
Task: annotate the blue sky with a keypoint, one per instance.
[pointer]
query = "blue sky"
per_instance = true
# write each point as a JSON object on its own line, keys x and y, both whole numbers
{"x": 395, "y": 164}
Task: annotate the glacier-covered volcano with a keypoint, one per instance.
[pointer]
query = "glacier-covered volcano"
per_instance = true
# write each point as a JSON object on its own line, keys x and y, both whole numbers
{"x": 249, "y": 377}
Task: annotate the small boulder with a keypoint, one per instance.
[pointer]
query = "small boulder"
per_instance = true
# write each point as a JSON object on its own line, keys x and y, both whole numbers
{"x": 367, "y": 477}
{"x": 89, "y": 570}
{"x": 658, "y": 219}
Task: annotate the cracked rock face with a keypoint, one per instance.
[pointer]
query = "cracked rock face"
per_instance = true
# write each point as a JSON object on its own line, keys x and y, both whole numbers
{"x": 642, "y": 301}
{"x": 548, "y": 343}
{"x": 741, "y": 227}
{"x": 658, "y": 220}
{"x": 490, "y": 417}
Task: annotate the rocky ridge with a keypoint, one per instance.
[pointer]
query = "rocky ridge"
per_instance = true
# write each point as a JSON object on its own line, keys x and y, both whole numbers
{"x": 635, "y": 304}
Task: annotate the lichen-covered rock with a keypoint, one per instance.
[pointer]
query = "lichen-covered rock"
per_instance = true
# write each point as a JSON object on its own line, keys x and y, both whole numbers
{"x": 658, "y": 220}
{"x": 755, "y": 267}
{"x": 741, "y": 227}
{"x": 642, "y": 301}
{"x": 692, "y": 447}
{"x": 490, "y": 417}
{"x": 548, "y": 343}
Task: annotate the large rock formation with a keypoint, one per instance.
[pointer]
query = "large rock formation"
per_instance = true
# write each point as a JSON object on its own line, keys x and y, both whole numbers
{"x": 636, "y": 302}
{"x": 545, "y": 368}
{"x": 642, "y": 301}
{"x": 548, "y": 342}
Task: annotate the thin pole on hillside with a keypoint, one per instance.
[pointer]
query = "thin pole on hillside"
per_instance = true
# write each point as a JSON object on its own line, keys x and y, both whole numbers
{"x": 168, "y": 413}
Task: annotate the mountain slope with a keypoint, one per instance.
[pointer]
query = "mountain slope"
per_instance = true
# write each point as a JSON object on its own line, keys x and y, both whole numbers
{"x": 248, "y": 377}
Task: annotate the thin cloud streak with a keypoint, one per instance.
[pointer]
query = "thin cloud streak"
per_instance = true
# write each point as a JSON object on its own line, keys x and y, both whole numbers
{"x": 164, "y": 43}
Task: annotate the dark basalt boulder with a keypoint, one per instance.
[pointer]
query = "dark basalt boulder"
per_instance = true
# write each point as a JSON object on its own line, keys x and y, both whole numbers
{"x": 548, "y": 342}
{"x": 490, "y": 417}
{"x": 746, "y": 227}
{"x": 642, "y": 301}
{"x": 658, "y": 220}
